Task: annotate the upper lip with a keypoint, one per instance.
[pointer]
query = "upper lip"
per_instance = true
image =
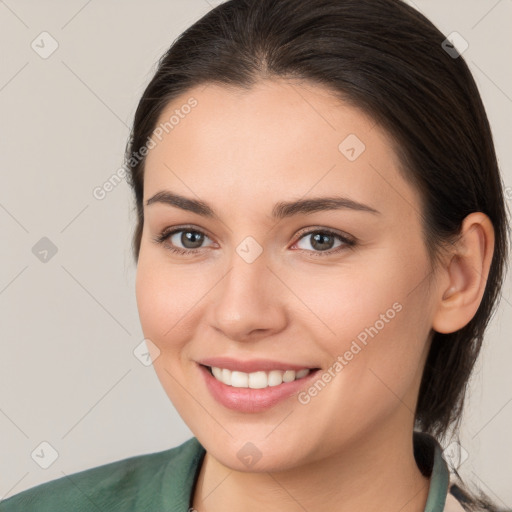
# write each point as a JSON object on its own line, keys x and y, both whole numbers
{"x": 252, "y": 365}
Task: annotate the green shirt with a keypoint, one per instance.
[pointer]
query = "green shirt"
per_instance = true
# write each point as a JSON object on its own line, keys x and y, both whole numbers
{"x": 164, "y": 482}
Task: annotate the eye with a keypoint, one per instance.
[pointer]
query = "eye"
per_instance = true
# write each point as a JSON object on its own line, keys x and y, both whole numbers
{"x": 323, "y": 241}
{"x": 190, "y": 238}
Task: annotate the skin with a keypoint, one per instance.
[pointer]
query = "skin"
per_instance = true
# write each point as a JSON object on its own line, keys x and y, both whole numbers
{"x": 242, "y": 151}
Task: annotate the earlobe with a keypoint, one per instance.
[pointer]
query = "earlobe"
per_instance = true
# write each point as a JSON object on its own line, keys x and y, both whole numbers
{"x": 465, "y": 276}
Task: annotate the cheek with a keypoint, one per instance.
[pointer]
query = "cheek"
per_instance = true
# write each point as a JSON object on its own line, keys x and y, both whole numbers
{"x": 356, "y": 298}
{"x": 166, "y": 301}
{"x": 376, "y": 317}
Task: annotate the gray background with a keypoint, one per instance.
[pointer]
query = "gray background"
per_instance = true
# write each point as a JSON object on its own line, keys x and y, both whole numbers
{"x": 68, "y": 375}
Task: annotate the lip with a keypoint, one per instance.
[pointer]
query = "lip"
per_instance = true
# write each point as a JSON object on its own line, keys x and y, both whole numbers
{"x": 253, "y": 365}
{"x": 247, "y": 400}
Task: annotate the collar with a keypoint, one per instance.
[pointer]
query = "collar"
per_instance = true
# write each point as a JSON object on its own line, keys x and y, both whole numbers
{"x": 429, "y": 458}
{"x": 427, "y": 452}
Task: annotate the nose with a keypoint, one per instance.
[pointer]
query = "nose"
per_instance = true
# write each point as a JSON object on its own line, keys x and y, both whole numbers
{"x": 249, "y": 302}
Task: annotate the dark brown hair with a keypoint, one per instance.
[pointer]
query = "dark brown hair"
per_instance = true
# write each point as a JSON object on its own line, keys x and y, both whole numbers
{"x": 388, "y": 60}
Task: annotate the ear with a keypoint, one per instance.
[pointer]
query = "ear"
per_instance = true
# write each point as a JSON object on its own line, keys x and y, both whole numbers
{"x": 463, "y": 277}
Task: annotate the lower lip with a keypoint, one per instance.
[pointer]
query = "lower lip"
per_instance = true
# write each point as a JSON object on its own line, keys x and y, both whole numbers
{"x": 252, "y": 400}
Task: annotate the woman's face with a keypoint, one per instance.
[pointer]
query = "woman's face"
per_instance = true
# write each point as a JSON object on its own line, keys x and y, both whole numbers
{"x": 339, "y": 285}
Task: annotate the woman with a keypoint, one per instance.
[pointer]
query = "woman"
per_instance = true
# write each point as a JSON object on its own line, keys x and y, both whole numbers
{"x": 321, "y": 241}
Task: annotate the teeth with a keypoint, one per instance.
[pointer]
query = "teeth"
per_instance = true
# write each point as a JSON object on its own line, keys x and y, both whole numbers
{"x": 217, "y": 373}
{"x": 239, "y": 379}
{"x": 226, "y": 377}
{"x": 288, "y": 376}
{"x": 274, "y": 378}
{"x": 257, "y": 380}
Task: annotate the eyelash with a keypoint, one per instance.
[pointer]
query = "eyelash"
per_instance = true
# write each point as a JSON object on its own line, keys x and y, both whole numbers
{"x": 166, "y": 234}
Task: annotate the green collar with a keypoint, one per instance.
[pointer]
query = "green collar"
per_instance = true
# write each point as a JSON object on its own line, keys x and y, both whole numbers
{"x": 429, "y": 457}
{"x": 427, "y": 452}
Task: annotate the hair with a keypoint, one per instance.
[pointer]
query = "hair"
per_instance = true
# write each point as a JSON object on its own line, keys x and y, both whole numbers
{"x": 388, "y": 60}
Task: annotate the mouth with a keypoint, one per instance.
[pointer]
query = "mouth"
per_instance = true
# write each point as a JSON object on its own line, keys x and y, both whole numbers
{"x": 256, "y": 391}
{"x": 255, "y": 385}
{"x": 259, "y": 379}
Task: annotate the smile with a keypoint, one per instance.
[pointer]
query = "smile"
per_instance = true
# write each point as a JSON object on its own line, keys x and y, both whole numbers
{"x": 258, "y": 379}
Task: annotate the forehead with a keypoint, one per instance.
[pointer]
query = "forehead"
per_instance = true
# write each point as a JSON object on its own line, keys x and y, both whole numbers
{"x": 278, "y": 137}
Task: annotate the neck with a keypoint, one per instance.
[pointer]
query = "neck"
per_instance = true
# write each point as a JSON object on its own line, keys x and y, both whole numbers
{"x": 377, "y": 473}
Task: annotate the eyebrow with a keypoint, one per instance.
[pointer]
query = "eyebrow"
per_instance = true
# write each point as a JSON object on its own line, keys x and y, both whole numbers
{"x": 280, "y": 210}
